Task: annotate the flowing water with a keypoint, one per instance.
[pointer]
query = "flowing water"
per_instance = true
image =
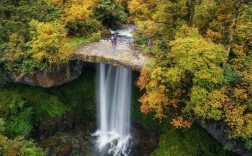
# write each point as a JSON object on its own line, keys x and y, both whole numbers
{"x": 114, "y": 97}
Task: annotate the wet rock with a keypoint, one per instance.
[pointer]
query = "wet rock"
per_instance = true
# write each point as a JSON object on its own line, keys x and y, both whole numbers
{"x": 143, "y": 142}
{"x": 217, "y": 130}
{"x": 65, "y": 149}
{"x": 50, "y": 143}
{"x": 75, "y": 142}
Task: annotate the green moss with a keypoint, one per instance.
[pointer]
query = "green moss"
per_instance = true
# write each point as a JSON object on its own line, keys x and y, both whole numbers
{"x": 39, "y": 98}
{"x": 79, "y": 94}
{"x": 190, "y": 142}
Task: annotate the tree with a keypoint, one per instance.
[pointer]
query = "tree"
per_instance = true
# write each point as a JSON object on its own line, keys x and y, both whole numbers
{"x": 47, "y": 44}
{"x": 237, "y": 5}
{"x": 191, "y": 12}
{"x": 19, "y": 146}
{"x": 110, "y": 12}
{"x": 78, "y": 16}
{"x": 188, "y": 81}
{"x": 195, "y": 63}
{"x": 158, "y": 20}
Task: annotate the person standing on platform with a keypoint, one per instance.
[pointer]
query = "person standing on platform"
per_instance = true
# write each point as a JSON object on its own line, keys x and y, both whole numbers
{"x": 115, "y": 40}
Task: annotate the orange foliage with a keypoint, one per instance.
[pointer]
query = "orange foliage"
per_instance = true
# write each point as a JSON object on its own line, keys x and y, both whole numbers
{"x": 238, "y": 120}
{"x": 180, "y": 122}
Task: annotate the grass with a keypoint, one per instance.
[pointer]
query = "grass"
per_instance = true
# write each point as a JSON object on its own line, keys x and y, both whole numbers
{"x": 76, "y": 41}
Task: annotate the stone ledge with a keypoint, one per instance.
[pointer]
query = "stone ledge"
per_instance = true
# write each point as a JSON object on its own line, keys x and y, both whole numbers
{"x": 48, "y": 79}
{"x": 120, "y": 55}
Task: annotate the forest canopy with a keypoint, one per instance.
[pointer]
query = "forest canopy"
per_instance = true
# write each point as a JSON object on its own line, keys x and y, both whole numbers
{"x": 202, "y": 50}
{"x": 34, "y": 35}
{"x": 203, "y": 62}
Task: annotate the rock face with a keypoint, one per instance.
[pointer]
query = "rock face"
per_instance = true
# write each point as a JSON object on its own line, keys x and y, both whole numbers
{"x": 217, "y": 131}
{"x": 48, "y": 79}
{"x": 103, "y": 52}
{"x": 97, "y": 52}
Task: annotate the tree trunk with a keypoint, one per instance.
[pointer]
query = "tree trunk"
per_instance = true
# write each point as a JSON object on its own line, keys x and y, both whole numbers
{"x": 237, "y": 5}
{"x": 191, "y": 13}
{"x": 15, "y": 3}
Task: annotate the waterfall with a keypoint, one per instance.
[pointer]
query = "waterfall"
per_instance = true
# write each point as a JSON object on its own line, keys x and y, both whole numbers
{"x": 113, "y": 101}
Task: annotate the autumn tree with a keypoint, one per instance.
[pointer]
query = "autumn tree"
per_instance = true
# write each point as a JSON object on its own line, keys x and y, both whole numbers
{"x": 203, "y": 74}
{"x": 47, "y": 44}
{"x": 193, "y": 61}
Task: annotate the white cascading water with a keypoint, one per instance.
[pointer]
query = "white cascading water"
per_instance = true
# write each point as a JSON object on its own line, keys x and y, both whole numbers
{"x": 114, "y": 97}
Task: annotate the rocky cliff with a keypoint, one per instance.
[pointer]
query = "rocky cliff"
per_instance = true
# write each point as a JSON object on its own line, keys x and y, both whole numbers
{"x": 57, "y": 77}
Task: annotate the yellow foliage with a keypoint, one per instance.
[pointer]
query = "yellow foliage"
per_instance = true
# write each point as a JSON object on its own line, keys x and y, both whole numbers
{"x": 15, "y": 47}
{"x": 48, "y": 42}
{"x": 141, "y": 9}
{"x": 144, "y": 78}
{"x": 78, "y": 10}
{"x": 155, "y": 98}
{"x": 240, "y": 94}
{"x": 154, "y": 101}
{"x": 238, "y": 120}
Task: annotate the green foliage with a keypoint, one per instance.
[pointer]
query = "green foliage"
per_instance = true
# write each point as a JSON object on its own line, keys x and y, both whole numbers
{"x": 157, "y": 20}
{"x": 188, "y": 81}
{"x": 34, "y": 34}
{"x": 231, "y": 77}
{"x": 19, "y": 124}
{"x": 248, "y": 144}
{"x": 95, "y": 37}
{"x": 78, "y": 17}
{"x": 228, "y": 146}
{"x": 1, "y": 125}
{"x": 193, "y": 61}
{"x": 79, "y": 95}
{"x": 17, "y": 117}
{"x": 198, "y": 56}
{"x": 47, "y": 44}
{"x": 15, "y": 19}
{"x": 188, "y": 142}
{"x": 110, "y": 12}
{"x": 40, "y": 99}
{"x": 21, "y": 108}
{"x": 19, "y": 146}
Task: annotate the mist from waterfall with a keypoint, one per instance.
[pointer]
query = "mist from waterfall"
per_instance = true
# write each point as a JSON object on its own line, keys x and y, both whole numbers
{"x": 113, "y": 101}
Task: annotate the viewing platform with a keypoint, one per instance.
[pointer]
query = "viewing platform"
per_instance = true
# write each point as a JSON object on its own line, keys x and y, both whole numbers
{"x": 104, "y": 52}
